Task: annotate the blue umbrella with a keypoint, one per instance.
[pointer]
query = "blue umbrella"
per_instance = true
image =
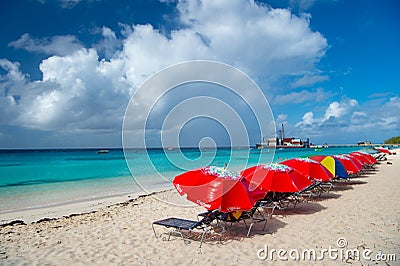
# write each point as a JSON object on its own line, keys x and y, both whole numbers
{"x": 340, "y": 171}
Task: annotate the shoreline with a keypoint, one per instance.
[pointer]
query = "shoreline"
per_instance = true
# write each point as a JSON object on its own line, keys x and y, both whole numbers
{"x": 74, "y": 207}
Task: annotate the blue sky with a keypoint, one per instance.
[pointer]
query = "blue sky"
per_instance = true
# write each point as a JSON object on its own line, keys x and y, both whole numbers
{"x": 68, "y": 68}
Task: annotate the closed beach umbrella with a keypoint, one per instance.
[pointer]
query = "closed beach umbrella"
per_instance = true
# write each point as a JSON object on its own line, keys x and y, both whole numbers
{"x": 348, "y": 164}
{"x": 310, "y": 168}
{"x": 216, "y": 188}
{"x": 275, "y": 178}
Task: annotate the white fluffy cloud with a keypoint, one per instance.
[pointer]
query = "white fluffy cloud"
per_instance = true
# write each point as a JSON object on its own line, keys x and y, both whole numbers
{"x": 66, "y": 99}
{"x": 109, "y": 45}
{"x": 332, "y": 117}
{"x": 281, "y": 119}
{"x": 258, "y": 39}
{"x": 337, "y": 110}
{"x": 348, "y": 116}
{"x": 88, "y": 89}
{"x": 384, "y": 115}
{"x": 308, "y": 119}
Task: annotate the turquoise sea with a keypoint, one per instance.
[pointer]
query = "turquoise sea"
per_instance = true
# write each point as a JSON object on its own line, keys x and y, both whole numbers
{"x": 39, "y": 178}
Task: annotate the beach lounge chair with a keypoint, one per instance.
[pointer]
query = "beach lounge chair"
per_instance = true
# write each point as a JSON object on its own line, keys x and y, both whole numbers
{"x": 178, "y": 225}
{"x": 249, "y": 218}
{"x": 315, "y": 190}
{"x": 380, "y": 157}
{"x": 278, "y": 200}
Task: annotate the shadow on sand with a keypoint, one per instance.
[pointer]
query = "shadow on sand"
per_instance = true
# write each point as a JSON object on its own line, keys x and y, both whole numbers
{"x": 325, "y": 196}
{"x": 302, "y": 208}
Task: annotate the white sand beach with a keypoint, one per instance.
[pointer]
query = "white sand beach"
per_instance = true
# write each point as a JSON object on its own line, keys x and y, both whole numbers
{"x": 364, "y": 213}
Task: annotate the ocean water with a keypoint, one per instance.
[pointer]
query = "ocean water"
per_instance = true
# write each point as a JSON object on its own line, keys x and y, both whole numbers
{"x": 39, "y": 178}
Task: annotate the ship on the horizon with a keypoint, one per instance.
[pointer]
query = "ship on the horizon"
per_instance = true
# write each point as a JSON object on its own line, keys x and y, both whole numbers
{"x": 282, "y": 142}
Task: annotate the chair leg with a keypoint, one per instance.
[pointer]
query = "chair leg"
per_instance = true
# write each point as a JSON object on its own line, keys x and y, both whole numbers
{"x": 245, "y": 224}
{"x": 176, "y": 231}
{"x": 248, "y": 232}
{"x": 265, "y": 224}
{"x": 154, "y": 231}
{"x": 272, "y": 211}
{"x": 203, "y": 235}
{"x": 230, "y": 228}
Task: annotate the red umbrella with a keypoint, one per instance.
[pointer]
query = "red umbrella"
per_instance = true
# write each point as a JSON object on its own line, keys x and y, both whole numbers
{"x": 368, "y": 156}
{"x": 348, "y": 164}
{"x": 363, "y": 159}
{"x": 332, "y": 164}
{"x": 383, "y": 150}
{"x": 318, "y": 158}
{"x": 216, "y": 188}
{"x": 355, "y": 160}
{"x": 308, "y": 167}
{"x": 275, "y": 178}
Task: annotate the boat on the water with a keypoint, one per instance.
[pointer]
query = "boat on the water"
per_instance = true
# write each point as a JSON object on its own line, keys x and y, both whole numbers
{"x": 318, "y": 148}
{"x": 102, "y": 151}
{"x": 281, "y": 142}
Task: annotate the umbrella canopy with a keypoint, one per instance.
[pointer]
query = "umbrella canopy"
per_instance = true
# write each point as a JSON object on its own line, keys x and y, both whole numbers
{"x": 327, "y": 161}
{"x": 365, "y": 160}
{"x": 368, "y": 157}
{"x": 276, "y": 178}
{"x": 216, "y": 188}
{"x": 349, "y": 165}
{"x": 308, "y": 167}
{"x": 383, "y": 150}
{"x": 355, "y": 160}
{"x": 332, "y": 164}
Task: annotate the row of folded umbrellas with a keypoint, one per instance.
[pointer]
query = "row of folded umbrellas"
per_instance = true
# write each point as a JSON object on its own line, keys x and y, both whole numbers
{"x": 217, "y": 188}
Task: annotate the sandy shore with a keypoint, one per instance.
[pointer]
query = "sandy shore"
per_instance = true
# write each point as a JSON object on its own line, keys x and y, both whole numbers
{"x": 78, "y": 207}
{"x": 364, "y": 213}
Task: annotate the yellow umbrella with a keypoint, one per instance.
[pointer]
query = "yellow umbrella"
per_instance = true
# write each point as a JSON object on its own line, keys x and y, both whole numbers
{"x": 327, "y": 161}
